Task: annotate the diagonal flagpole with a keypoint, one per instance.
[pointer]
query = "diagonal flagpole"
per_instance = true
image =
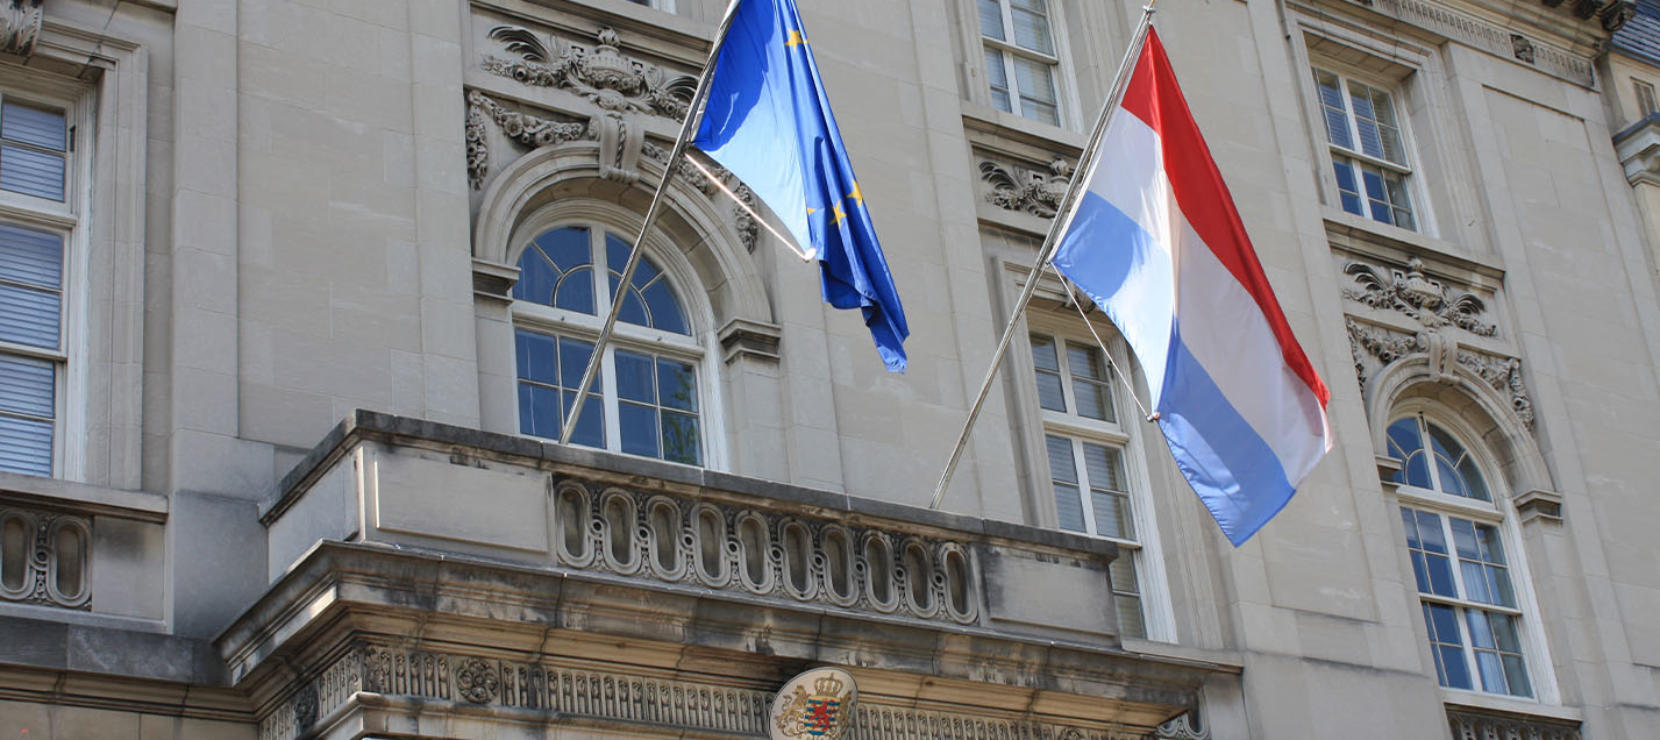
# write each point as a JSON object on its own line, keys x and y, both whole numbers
{"x": 694, "y": 112}
{"x": 1063, "y": 219}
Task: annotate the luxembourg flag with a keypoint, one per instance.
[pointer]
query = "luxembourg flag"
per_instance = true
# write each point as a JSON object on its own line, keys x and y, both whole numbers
{"x": 1156, "y": 242}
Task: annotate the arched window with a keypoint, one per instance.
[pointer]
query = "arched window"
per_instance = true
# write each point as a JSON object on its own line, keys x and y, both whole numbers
{"x": 1464, "y": 561}
{"x": 646, "y": 400}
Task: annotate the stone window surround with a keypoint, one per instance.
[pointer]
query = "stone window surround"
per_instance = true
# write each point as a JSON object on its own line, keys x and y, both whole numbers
{"x": 1158, "y": 614}
{"x": 1502, "y": 513}
{"x": 1400, "y": 70}
{"x": 977, "y": 102}
{"x": 99, "y": 434}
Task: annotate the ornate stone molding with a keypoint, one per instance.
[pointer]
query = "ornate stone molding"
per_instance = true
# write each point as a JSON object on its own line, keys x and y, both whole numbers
{"x": 573, "y": 692}
{"x": 1185, "y": 726}
{"x": 54, "y": 550}
{"x": 1017, "y": 188}
{"x": 1416, "y": 296}
{"x": 20, "y": 22}
{"x": 1375, "y": 347}
{"x": 526, "y": 129}
{"x": 768, "y": 554}
{"x": 1470, "y": 724}
{"x": 599, "y": 72}
{"x": 1496, "y": 39}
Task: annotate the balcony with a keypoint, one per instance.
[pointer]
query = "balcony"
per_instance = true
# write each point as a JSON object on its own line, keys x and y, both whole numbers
{"x": 428, "y": 579}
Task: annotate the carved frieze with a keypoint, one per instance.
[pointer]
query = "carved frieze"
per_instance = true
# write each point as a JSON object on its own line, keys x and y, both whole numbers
{"x": 20, "y": 22}
{"x": 572, "y": 692}
{"x": 1016, "y": 188}
{"x": 1483, "y": 725}
{"x": 44, "y": 557}
{"x": 598, "y": 72}
{"x": 1493, "y": 38}
{"x": 1413, "y": 294}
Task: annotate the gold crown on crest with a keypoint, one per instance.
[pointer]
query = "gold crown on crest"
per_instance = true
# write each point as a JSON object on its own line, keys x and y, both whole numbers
{"x": 828, "y": 685}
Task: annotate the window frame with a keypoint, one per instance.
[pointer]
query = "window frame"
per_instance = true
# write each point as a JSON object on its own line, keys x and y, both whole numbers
{"x": 64, "y": 219}
{"x": 1499, "y": 513}
{"x": 1006, "y": 51}
{"x": 1647, "y": 103}
{"x": 1407, "y": 171}
{"x": 658, "y": 343}
{"x": 1145, "y": 551}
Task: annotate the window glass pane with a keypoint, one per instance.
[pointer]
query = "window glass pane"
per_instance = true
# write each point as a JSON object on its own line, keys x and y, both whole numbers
{"x": 665, "y": 309}
{"x": 616, "y": 256}
{"x": 1037, "y": 89}
{"x": 1127, "y": 596}
{"x": 1492, "y": 672}
{"x": 576, "y": 291}
{"x": 25, "y": 445}
{"x": 539, "y": 410}
{"x": 573, "y": 360}
{"x": 991, "y": 19}
{"x": 1481, "y": 633}
{"x": 1409, "y": 522}
{"x": 1062, "y": 467}
{"x": 639, "y": 428}
{"x": 681, "y": 440}
{"x": 1430, "y": 534}
{"x": 1031, "y": 30}
{"x": 635, "y": 379}
{"x": 1464, "y": 539}
{"x": 676, "y": 385}
{"x": 26, "y": 386}
{"x": 590, "y": 430}
{"x": 1094, "y": 400}
{"x": 1102, "y": 466}
{"x": 1348, "y": 191}
{"x": 1400, "y": 201}
{"x": 31, "y": 172}
{"x": 1333, "y": 108}
{"x": 1085, "y": 362}
{"x": 28, "y": 316}
{"x": 1069, "y": 508}
{"x": 567, "y": 247}
{"x": 538, "y": 357}
{"x": 1405, "y": 442}
{"x": 997, "y": 78}
{"x": 1064, "y": 476}
{"x": 38, "y": 126}
{"x": 1515, "y": 669}
{"x": 537, "y": 277}
{"x": 31, "y": 257}
{"x": 1376, "y": 197}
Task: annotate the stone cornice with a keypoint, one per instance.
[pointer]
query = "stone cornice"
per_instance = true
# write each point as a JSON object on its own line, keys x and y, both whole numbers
{"x": 1638, "y": 147}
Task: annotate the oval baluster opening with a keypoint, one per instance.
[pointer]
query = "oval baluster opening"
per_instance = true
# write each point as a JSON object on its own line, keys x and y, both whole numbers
{"x": 665, "y": 530}
{"x": 711, "y": 534}
{"x": 620, "y": 525}
{"x": 70, "y": 553}
{"x": 956, "y": 581}
{"x": 917, "y": 574}
{"x": 836, "y": 564}
{"x": 753, "y": 535}
{"x": 573, "y": 524}
{"x": 798, "y": 557}
{"x": 879, "y": 559}
{"x": 14, "y": 553}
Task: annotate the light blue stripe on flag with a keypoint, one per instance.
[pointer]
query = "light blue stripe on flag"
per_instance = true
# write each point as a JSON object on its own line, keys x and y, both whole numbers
{"x": 1228, "y": 464}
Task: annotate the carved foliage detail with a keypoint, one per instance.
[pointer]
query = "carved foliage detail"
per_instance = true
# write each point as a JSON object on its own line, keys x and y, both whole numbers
{"x": 476, "y": 681}
{"x": 20, "y": 22}
{"x": 1412, "y": 293}
{"x": 600, "y": 73}
{"x": 44, "y": 557}
{"x": 1374, "y": 347}
{"x": 1017, "y": 188}
{"x": 1482, "y": 726}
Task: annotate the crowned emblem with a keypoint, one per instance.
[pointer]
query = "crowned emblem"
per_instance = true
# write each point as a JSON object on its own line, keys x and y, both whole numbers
{"x": 816, "y": 704}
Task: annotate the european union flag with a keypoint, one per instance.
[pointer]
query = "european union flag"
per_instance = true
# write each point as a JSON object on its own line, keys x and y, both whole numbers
{"x": 768, "y": 121}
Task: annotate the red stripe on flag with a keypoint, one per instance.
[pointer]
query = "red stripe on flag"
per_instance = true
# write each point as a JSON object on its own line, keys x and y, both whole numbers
{"x": 1154, "y": 97}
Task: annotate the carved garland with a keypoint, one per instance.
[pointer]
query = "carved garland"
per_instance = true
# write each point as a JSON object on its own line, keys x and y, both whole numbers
{"x": 575, "y": 692}
{"x": 1413, "y": 294}
{"x": 601, "y": 74}
{"x": 1375, "y": 345}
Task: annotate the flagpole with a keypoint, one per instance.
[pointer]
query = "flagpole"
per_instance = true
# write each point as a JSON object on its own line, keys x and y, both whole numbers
{"x": 1063, "y": 219}
{"x": 694, "y": 112}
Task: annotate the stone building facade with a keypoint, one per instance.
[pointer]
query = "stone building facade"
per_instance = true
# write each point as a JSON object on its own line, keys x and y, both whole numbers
{"x": 291, "y": 294}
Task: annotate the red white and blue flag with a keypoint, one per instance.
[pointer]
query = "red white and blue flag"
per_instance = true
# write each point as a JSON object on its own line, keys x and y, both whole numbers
{"x": 1156, "y": 242}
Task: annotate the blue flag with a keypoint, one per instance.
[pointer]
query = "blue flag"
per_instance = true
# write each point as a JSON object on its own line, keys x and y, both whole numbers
{"x": 768, "y": 121}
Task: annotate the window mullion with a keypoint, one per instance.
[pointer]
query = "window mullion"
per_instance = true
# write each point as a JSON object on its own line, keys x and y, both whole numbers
{"x": 608, "y": 399}
{"x": 1064, "y": 369}
{"x": 1452, "y": 555}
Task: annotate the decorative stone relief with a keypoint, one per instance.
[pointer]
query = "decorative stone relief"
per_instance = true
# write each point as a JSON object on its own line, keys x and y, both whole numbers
{"x": 1415, "y": 295}
{"x": 699, "y": 707}
{"x": 761, "y": 553}
{"x": 1470, "y": 725}
{"x": 599, "y": 73}
{"x": 20, "y": 22}
{"x": 1017, "y": 188}
{"x": 476, "y": 681}
{"x": 1496, "y": 39}
{"x": 1184, "y": 726}
{"x": 44, "y": 557}
{"x": 620, "y": 149}
{"x": 1374, "y": 347}
{"x": 1522, "y": 49}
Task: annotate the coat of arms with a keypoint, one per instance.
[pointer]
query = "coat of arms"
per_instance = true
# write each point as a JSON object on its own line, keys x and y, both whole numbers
{"x": 815, "y": 705}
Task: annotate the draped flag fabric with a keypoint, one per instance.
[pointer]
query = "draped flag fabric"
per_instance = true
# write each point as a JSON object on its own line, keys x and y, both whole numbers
{"x": 768, "y": 121}
{"x": 1157, "y": 243}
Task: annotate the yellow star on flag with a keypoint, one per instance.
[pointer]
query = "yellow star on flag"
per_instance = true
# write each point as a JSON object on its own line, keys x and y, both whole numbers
{"x": 796, "y": 39}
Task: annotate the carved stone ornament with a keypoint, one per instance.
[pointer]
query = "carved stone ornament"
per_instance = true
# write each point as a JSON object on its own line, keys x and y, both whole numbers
{"x": 621, "y": 146}
{"x": 600, "y": 73}
{"x": 1375, "y": 347}
{"x": 1184, "y": 726}
{"x": 1484, "y": 725}
{"x": 476, "y": 680}
{"x": 1413, "y": 294}
{"x": 1522, "y": 48}
{"x": 1442, "y": 19}
{"x": 817, "y": 704}
{"x": 47, "y": 575}
{"x": 1036, "y": 192}
{"x": 20, "y": 22}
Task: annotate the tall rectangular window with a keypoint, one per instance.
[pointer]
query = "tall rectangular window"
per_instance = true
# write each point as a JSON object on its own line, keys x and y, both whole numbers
{"x": 1368, "y": 149}
{"x": 1021, "y": 62}
{"x": 1086, "y": 449}
{"x": 34, "y": 159}
{"x": 1645, "y": 97}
